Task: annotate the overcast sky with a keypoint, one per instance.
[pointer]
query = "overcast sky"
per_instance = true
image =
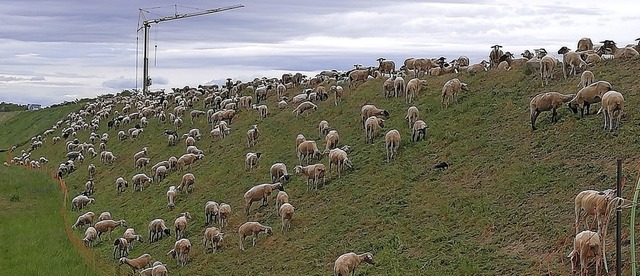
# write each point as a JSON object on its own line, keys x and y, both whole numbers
{"x": 52, "y": 51}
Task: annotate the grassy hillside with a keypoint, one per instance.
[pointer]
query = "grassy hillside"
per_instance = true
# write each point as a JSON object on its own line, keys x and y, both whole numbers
{"x": 504, "y": 207}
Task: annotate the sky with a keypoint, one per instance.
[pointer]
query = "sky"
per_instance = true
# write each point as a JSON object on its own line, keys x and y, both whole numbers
{"x": 55, "y": 51}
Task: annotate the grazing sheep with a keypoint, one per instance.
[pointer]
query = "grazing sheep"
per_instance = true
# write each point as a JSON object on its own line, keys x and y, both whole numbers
{"x": 392, "y": 142}
{"x": 339, "y": 158}
{"x": 358, "y": 75}
{"x": 332, "y": 139}
{"x": 281, "y": 198}
{"x": 372, "y": 125}
{"x": 224, "y": 212}
{"x": 586, "y": 79}
{"x": 160, "y": 173}
{"x": 171, "y": 196}
{"x": 388, "y": 87}
{"x": 80, "y": 201}
{"x": 188, "y": 180}
{"x": 92, "y": 170}
{"x": 450, "y": 89}
{"x": 186, "y": 160}
{"x": 589, "y": 95}
{"x": 180, "y": 224}
{"x": 211, "y": 210}
{"x": 314, "y": 173}
{"x": 419, "y": 131}
{"x": 302, "y": 107}
{"x": 121, "y": 184}
{"x": 412, "y": 115}
{"x": 139, "y": 180}
{"x": 194, "y": 150}
{"x": 252, "y": 136}
{"x": 90, "y": 235}
{"x": 587, "y": 244}
{"x": 104, "y": 216}
{"x": 213, "y": 237}
{"x": 323, "y": 128}
{"x": 612, "y": 105}
{"x": 593, "y": 203}
{"x": 107, "y": 157}
{"x": 412, "y": 88}
{"x": 89, "y": 187}
{"x": 308, "y": 149}
{"x": 262, "y": 109}
{"x": 190, "y": 141}
{"x": 140, "y": 154}
{"x": 142, "y": 163}
{"x": 286, "y": 214}
{"x": 84, "y": 219}
{"x": 369, "y": 110}
{"x": 122, "y": 247}
{"x": 251, "y": 160}
{"x": 570, "y": 59}
{"x": 260, "y": 192}
{"x": 138, "y": 263}
{"x": 299, "y": 139}
{"x": 131, "y": 236}
{"x": 108, "y": 226}
{"x": 347, "y": 263}
{"x": 545, "y": 102}
{"x": 252, "y": 228}
{"x": 157, "y": 229}
{"x": 282, "y": 104}
{"x": 338, "y": 93}
{"x": 547, "y": 64}
{"x": 278, "y": 172}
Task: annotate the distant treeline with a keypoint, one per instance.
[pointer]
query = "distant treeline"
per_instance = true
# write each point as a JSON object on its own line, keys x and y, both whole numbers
{"x": 6, "y": 107}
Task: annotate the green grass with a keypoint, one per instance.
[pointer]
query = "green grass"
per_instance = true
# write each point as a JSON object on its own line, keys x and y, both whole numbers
{"x": 504, "y": 207}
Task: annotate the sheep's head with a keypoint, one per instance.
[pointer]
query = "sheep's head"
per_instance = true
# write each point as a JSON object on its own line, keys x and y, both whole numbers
{"x": 563, "y": 50}
{"x": 285, "y": 178}
{"x": 268, "y": 230}
{"x": 122, "y": 261}
{"x": 167, "y": 232}
{"x": 573, "y": 106}
{"x": 464, "y": 86}
{"x": 258, "y": 154}
{"x": 368, "y": 257}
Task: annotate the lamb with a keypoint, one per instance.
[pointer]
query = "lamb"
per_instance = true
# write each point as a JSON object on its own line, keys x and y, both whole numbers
{"x": 372, "y": 125}
{"x": 347, "y": 263}
{"x": 281, "y": 198}
{"x": 171, "y": 196}
{"x": 369, "y": 110}
{"x": 251, "y": 160}
{"x": 92, "y": 170}
{"x": 586, "y": 79}
{"x": 211, "y": 209}
{"x": 399, "y": 86}
{"x": 224, "y": 212}
{"x": 142, "y": 163}
{"x": 494, "y": 55}
{"x": 260, "y": 192}
{"x": 108, "y": 226}
{"x": 84, "y": 219}
{"x": 180, "y": 224}
{"x": 262, "y": 109}
{"x": 80, "y": 201}
{"x": 278, "y": 172}
{"x": 338, "y": 93}
{"x": 131, "y": 236}
{"x": 188, "y": 180}
{"x": 138, "y": 263}
{"x": 304, "y": 106}
{"x": 419, "y": 131}
{"x": 339, "y": 158}
{"x": 587, "y": 244}
{"x": 90, "y": 235}
{"x": 122, "y": 246}
{"x": 252, "y": 228}
{"x": 214, "y": 237}
{"x": 412, "y": 115}
{"x": 570, "y": 59}
{"x": 252, "y": 136}
{"x": 412, "y": 88}
{"x": 89, "y": 187}
{"x": 593, "y": 203}
{"x": 450, "y": 89}
{"x": 121, "y": 184}
{"x": 160, "y": 173}
{"x": 545, "y": 102}
{"x": 392, "y": 142}
{"x": 308, "y": 149}
{"x": 157, "y": 229}
{"x": 107, "y": 157}
{"x": 589, "y": 95}
{"x": 547, "y": 64}
{"x": 314, "y": 173}
{"x": 104, "y": 216}
{"x": 286, "y": 214}
{"x": 323, "y": 128}
{"x": 187, "y": 160}
{"x": 612, "y": 105}
{"x": 139, "y": 180}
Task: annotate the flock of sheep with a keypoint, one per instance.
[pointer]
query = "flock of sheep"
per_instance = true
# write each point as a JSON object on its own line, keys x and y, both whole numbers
{"x": 224, "y": 103}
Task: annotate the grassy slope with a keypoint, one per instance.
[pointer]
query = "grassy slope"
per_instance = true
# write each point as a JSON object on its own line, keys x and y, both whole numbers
{"x": 503, "y": 207}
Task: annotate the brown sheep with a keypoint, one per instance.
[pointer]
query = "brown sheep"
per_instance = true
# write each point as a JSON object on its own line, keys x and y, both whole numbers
{"x": 138, "y": 263}
{"x": 252, "y": 228}
{"x": 571, "y": 59}
{"x": 314, "y": 173}
{"x": 586, "y": 79}
{"x": 392, "y": 142}
{"x": 584, "y": 44}
{"x": 347, "y": 263}
{"x": 593, "y": 203}
{"x": 308, "y": 149}
{"x": 278, "y": 173}
{"x": 188, "y": 180}
{"x": 589, "y": 95}
{"x": 187, "y": 159}
{"x": 224, "y": 212}
{"x": 372, "y": 125}
{"x": 369, "y": 110}
{"x": 412, "y": 115}
{"x": 545, "y": 102}
{"x": 260, "y": 192}
{"x": 586, "y": 244}
{"x": 286, "y": 214}
{"x": 386, "y": 66}
{"x": 213, "y": 237}
{"x": 612, "y": 105}
{"x": 412, "y": 88}
{"x": 419, "y": 131}
{"x": 339, "y": 158}
{"x": 450, "y": 89}
{"x": 626, "y": 52}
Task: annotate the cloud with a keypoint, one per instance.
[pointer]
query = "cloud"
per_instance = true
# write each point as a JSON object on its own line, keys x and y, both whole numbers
{"x": 13, "y": 79}
{"x": 120, "y": 83}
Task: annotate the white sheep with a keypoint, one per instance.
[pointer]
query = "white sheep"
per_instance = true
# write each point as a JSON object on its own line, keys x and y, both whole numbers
{"x": 138, "y": 263}
{"x": 213, "y": 237}
{"x": 593, "y": 203}
{"x": 140, "y": 154}
{"x": 323, "y": 128}
{"x": 412, "y": 88}
{"x": 304, "y": 106}
{"x": 571, "y": 59}
{"x": 108, "y": 226}
{"x": 180, "y": 224}
{"x": 84, "y": 219}
{"x": 332, "y": 139}
{"x": 286, "y": 215}
{"x": 187, "y": 183}
{"x": 278, "y": 173}
{"x": 90, "y": 235}
{"x": 589, "y": 95}
{"x": 372, "y": 125}
{"x": 211, "y": 209}
{"x": 139, "y": 180}
{"x": 224, "y": 212}
{"x": 158, "y": 228}
{"x": 450, "y": 89}
{"x": 252, "y": 228}
{"x": 262, "y": 109}
{"x": 260, "y": 192}
{"x": 171, "y": 197}
{"x": 545, "y": 102}
{"x": 121, "y": 246}
{"x": 281, "y": 198}
{"x": 339, "y": 158}
{"x": 369, "y": 110}
{"x": 347, "y": 263}
{"x": 160, "y": 173}
{"x": 338, "y": 93}
{"x": 586, "y": 79}
{"x": 80, "y": 201}
{"x": 412, "y": 115}
{"x": 587, "y": 244}
{"x": 121, "y": 184}
{"x": 104, "y": 216}
{"x": 547, "y": 63}
{"x": 131, "y": 236}
{"x": 612, "y": 106}
{"x": 313, "y": 173}
{"x": 306, "y": 150}
{"x": 142, "y": 163}
{"x": 419, "y": 131}
{"x": 299, "y": 139}
{"x": 92, "y": 170}
{"x": 186, "y": 160}
{"x": 251, "y": 160}
{"x": 392, "y": 142}
{"x": 89, "y": 187}
{"x": 252, "y": 136}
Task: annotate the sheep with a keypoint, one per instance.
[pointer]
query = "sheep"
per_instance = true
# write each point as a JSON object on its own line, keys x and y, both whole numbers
{"x": 89, "y": 187}
{"x": 304, "y": 106}
{"x": 392, "y": 142}
{"x": 194, "y": 150}
{"x": 399, "y": 86}
{"x": 171, "y": 196}
{"x": 107, "y": 157}
{"x": 278, "y": 173}
{"x": 587, "y": 244}
{"x": 190, "y": 141}
{"x": 299, "y": 139}
{"x": 252, "y": 136}
{"x": 593, "y": 203}
{"x": 252, "y": 228}
{"x": 570, "y": 59}
{"x": 157, "y": 229}
{"x": 180, "y": 224}
{"x": 90, "y": 235}
{"x": 171, "y": 140}
{"x": 332, "y": 139}
{"x": 584, "y": 44}
{"x": 134, "y": 134}
{"x": 412, "y": 88}
{"x": 612, "y": 105}
{"x": 589, "y": 95}
{"x": 211, "y": 209}
{"x": 626, "y": 52}
{"x": 450, "y": 89}
{"x": 369, "y": 110}
{"x": 177, "y": 122}
{"x": 545, "y": 102}
{"x": 314, "y": 173}
{"x": 131, "y": 236}
{"x": 139, "y": 180}
{"x": 142, "y": 163}
{"x": 586, "y": 79}
{"x": 338, "y": 93}
{"x": 224, "y": 212}
{"x": 372, "y": 125}
{"x": 104, "y": 216}
{"x": 494, "y": 55}
{"x": 386, "y": 66}
{"x": 347, "y": 263}
{"x": 412, "y": 115}
{"x": 286, "y": 214}
{"x": 357, "y": 76}
{"x": 84, "y": 219}
{"x": 308, "y": 149}
{"x": 214, "y": 237}
{"x": 80, "y": 201}
{"x": 92, "y": 170}
{"x": 323, "y": 128}
{"x": 188, "y": 180}
{"x": 186, "y": 160}
{"x": 262, "y": 109}
{"x": 157, "y": 269}
{"x": 339, "y": 158}
{"x": 160, "y": 173}
{"x": 108, "y": 226}
{"x": 419, "y": 131}
{"x": 282, "y": 104}
{"x": 122, "y": 247}
{"x": 138, "y": 263}
{"x": 251, "y": 160}
{"x": 477, "y": 68}
{"x": 194, "y": 114}
{"x": 260, "y": 192}
{"x": 547, "y": 64}
{"x": 281, "y": 198}
{"x": 121, "y": 184}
